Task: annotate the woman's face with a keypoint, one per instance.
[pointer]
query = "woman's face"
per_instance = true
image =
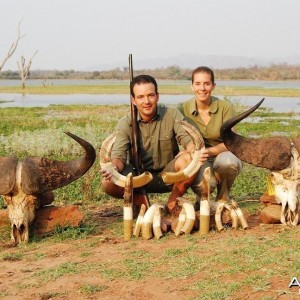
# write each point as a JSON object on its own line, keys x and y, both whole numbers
{"x": 202, "y": 86}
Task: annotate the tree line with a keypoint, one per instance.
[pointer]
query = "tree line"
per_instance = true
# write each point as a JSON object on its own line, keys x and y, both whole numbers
{"x": 272, "y": 72}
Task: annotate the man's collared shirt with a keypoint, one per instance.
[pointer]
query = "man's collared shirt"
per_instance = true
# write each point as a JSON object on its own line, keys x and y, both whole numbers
{"x": 158, "y": 139}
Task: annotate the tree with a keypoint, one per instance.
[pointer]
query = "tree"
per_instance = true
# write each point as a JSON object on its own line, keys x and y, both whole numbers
{"x": 24, "y": 69}
{"x": 13, "y": 47}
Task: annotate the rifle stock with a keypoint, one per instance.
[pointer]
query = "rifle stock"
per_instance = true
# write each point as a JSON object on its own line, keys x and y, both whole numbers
{"x": 140, "y": 196}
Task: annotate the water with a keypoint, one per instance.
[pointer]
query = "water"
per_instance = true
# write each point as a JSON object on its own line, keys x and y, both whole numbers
{"x": 277, "y": 104}
{"x": 291, "y": 84}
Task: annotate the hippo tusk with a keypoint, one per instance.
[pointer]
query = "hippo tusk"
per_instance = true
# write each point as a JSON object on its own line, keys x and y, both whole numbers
{"x": 194, "y": 166}
{"x": 137, "y": 181}
{"x": 147, "y": 232}
{"x": 233, "y": 216}
{"x": 157, "y": 223}
{"x": 117, "y": 178}
{"x": 187, "y": 172}
{"x": 128, "y": 209}
{"x": 204, "y": 204}
{"x": 218, "y": 215}
{"x": 181, "y": 221}
{"x": 190, "y": 217}
{"x": 106, "y": 148}
{"x": 139, "y": 221}
{"x": 240, "y": 215}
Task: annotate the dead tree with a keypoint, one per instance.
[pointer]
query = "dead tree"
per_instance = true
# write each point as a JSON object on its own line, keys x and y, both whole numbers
{"x": 24, "y": 69}
{"x": 13, "y": 48}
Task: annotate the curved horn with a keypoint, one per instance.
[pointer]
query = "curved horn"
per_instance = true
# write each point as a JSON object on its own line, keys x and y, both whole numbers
{"x": 272, "y": 153}
{"x": 194, "y": 166}
{"x": 40, "y": 174}
{"x": 8, "y": 168}
{"x": 117, "y": 178}
{"x": 194, "y": 133}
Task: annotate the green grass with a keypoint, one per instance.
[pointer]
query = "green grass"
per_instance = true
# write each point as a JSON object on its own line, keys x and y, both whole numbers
{"x": 209, "y": 263}
{"x": 123, "y": 88}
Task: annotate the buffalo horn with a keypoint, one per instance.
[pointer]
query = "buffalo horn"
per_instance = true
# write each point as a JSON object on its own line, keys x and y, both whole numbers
{"x": 8, "y": 167}
{"x": 271, "y": 153}
{"x": 40, "y": 174}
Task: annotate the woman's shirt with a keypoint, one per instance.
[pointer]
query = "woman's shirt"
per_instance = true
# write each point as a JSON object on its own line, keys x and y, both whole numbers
{"x": 219, "y": 111}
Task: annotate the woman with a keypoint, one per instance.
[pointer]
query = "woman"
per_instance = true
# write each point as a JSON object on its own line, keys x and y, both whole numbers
{"x": 208, "y": 113}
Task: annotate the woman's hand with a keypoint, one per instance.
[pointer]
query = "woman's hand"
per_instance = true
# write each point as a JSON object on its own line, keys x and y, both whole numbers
{"x": 204, "y": 154}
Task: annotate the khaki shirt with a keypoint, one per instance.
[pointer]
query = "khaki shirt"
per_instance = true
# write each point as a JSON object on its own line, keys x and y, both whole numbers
{"x": 158, "y": 141}
{"x": 220, "y": 111}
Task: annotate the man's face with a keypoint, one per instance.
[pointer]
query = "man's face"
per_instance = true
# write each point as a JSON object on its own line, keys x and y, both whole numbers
{"x": 145, "y": 99}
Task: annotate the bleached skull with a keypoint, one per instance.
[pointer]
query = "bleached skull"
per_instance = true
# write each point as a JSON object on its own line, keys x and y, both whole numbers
{"x": 23, "y": 184}
{"x": 280, "y": 155}
{"x": 287, "y": 194}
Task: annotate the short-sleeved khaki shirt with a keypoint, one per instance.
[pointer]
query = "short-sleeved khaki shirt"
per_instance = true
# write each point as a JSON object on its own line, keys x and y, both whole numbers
{"x": 159, "y": 139}
{"x": 220, "y": 111}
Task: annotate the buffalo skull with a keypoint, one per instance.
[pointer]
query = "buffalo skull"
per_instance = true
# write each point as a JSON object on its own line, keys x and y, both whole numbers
{"x": 280, "y": 155}
{"x": 26, "y": 184}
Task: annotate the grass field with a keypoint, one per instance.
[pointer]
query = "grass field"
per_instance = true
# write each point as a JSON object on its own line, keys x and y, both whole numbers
{"x": 163, "y": 89}
{"x": 93, "y": 262}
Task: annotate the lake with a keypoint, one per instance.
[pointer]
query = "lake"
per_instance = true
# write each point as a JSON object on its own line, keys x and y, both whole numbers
{"x": 280, "y": 84}
{"x": 277, "y": 104}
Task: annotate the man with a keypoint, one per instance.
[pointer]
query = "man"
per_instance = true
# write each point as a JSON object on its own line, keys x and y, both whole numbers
{"x": 159, "y": 139}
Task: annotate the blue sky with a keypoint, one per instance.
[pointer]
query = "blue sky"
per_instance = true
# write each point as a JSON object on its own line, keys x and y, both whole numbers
{"x": 76, "y": 34}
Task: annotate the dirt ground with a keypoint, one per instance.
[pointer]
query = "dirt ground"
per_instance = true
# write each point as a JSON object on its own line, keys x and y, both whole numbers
{"x": 71, "y": 269}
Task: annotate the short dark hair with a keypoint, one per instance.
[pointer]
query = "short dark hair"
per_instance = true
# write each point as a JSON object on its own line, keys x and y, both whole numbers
{"x": 142, "y": 79}
{"x": 204, "y": 69}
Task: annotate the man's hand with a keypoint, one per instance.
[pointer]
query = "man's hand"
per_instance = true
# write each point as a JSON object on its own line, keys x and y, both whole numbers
{"x": 106, "y": 174}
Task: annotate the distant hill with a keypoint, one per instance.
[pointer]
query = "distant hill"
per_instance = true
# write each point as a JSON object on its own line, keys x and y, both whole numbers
{"x": 190, "y": 61}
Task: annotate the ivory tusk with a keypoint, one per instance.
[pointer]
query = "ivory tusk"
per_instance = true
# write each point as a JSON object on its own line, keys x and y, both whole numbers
{"x": 233, "y": 215}
{"x": 128, "y": 222}
{"x": 204, "y": 217}
{"x": 139, "y": 221}
{"x": 194, "y": 133}
{"x": 157, "y": 223}
{"x": 181, "y": 221}
{"x": 128, "y": 209}
{"x": 218, "y": 216}
{"x": 120, "y": 179}
{"x": 190, "y": 217}
{"x": 105, "y": 149}
{"x": 117, "y": 178}
{"x": 148, "y": 221}
{"x": 194, "y": 166}
{"x": 187, "y": 172}
{"x": 242, "y": 218}
{"x": 240, "y": 215}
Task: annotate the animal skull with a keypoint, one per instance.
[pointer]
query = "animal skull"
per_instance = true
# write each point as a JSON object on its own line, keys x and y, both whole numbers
{"x": 24, "y": 184}
{"x": 287, "y": 194}
{"x": 278, "y": 154}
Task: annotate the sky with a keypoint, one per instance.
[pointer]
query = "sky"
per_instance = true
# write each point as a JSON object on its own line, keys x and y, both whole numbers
{"x": 79, "y": 34}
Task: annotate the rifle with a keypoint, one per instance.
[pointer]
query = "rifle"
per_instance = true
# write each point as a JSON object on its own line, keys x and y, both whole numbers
{"x": 141, "y": 194}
